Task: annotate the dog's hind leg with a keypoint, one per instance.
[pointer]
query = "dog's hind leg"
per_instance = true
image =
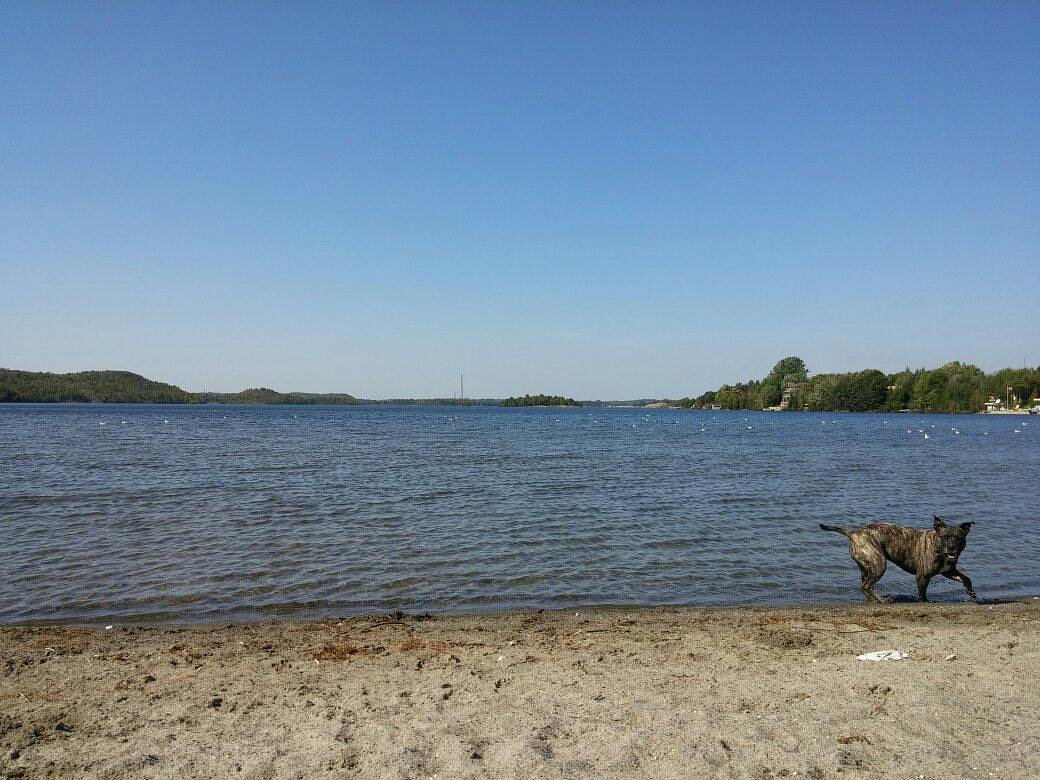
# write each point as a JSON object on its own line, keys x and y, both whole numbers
{"x": 963, "y": 579}
{"x": 872, "y": 563}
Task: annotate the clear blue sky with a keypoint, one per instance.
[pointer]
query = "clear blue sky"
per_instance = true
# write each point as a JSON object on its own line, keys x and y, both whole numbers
{"x": 606, "y": 200}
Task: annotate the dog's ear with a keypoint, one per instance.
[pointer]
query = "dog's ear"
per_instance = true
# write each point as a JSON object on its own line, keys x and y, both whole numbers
{"x": 966, "y": 527}
{"x": 938, "y": 522}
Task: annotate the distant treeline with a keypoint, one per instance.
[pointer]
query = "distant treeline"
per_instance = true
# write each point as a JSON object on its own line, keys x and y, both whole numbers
{"x": 434, "y": 402}
{"x": 954, "y": 387}
{"x": 539, "y": 400}
{"x": 265, "y": 395}
{"x": 117, "y": 387}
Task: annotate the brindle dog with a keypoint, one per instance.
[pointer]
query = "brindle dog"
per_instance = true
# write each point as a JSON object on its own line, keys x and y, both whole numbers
{"x": 921, "y": 553}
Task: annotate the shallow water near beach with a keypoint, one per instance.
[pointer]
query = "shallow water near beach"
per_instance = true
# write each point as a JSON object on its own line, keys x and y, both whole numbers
{"x": 230, "y": 512}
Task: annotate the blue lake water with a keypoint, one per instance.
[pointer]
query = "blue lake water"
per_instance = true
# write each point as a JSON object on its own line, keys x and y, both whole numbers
{"x": 231, "y": 512}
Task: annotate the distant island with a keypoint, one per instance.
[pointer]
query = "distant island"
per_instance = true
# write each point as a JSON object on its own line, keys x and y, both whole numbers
{"x": 539, "y": 400}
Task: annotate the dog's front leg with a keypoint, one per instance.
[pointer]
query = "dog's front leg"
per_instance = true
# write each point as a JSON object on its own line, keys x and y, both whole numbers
{"x": 964, "y": 580}
{"x": 922, "y": 587}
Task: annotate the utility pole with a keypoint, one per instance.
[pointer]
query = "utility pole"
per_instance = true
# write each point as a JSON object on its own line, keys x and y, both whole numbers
{"x": 462, "y": 392}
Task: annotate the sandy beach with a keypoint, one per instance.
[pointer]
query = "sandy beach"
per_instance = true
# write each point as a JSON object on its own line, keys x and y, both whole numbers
{"x": 611, "y": 692}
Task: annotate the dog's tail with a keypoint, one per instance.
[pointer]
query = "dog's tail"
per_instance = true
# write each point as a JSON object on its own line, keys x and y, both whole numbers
{"x": 826, "y": 527}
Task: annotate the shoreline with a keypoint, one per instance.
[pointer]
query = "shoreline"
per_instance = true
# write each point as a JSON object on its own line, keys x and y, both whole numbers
{"x": 297, "y": 615}
{"x": 610, "y": 691}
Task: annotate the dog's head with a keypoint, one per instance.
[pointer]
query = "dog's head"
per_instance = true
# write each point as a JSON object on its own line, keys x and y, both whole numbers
{"x": 950, "y": 539}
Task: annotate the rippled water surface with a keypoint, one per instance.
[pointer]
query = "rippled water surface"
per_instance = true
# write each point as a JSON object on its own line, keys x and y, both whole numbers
{"x": 203, "y": 512}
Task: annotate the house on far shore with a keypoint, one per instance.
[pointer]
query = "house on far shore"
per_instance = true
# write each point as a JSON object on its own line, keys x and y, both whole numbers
{"x": 785, "y": 397}
{"x": 994, "y": 405}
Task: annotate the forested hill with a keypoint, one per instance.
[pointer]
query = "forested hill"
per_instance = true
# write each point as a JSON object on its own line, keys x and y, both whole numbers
{"x": 87, "y": 387}
{"x": 119, "y": 387}
{"x": 264, "y": 395}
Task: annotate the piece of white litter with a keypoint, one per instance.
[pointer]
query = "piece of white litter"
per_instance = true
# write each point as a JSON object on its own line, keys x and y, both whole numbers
{"x": 501, "y": 658}
{"x": 951, "y": 657}
{"x": 107, "y": 628}
{"x": 883, "y": 655}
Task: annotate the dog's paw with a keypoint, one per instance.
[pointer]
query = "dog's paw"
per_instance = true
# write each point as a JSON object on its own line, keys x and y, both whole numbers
{"x": 974, "y": 596}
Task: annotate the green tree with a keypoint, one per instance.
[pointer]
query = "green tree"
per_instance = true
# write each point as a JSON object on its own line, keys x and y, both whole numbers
{"x": 793, "y": 367}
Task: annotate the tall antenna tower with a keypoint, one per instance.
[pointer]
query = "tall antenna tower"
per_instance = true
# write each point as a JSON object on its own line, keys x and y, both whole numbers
{"x": 462, "y": 392}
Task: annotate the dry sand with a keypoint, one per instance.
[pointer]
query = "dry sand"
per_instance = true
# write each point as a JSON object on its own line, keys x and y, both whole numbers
{"x": 762, "y": 693}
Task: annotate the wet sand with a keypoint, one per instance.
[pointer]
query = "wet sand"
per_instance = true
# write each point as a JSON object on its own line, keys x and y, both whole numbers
{"x": 612, "y": 692}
